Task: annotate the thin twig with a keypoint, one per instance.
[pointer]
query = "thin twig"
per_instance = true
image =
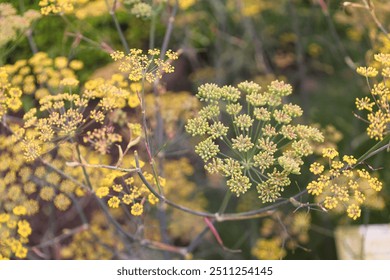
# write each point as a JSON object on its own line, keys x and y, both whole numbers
{"x": 111, "y": 11}
{"x": 378, "y": 147}
{"x": 168, "y": 33}
{"x": 164, "y": 247}
{"x": 265, "y": 211}
{"x": 162, "y": 216}
{"x": 116, "y": 168}
{"x": 66, "y": 233}
{"x": 370, "y": 7}
{"x": 63, "y": 174}
{"x": 31, "y": 41}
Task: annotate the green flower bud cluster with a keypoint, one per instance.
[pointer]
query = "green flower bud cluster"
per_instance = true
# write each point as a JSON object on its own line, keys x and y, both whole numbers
{"x": 249, "y": 136}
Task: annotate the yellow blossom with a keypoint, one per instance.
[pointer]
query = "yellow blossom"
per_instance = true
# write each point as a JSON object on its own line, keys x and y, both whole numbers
{"x": 268, "y": 249}
{"x": 337, "y": 164}
{"x": 62, "y": 202}
{"x": 21, "y": 252}
{"x": 354, "y": 211}
{"x": 350, "y": 160}
{"x": 329, "y": 153}
{"x": 316, "y": 168}
{"x": 4, "y": 217}
{"x": 137, "y": 209}
{"x": 117, "y": 187}
{"x": 24, "y": 228}
{"x": 19, "y": 210}
{"x": 369, "y": 72}
{"x": 102, "y": 192}
{"x": 152, "y": 199}
{"x": 128, "y": 199}
{"x": 315, "y": 187}
{"x": 375, "y": 184}
{"x": 330, "y": 202}
{"x": 114, "y": 202}
{"x": 47, "y": 193}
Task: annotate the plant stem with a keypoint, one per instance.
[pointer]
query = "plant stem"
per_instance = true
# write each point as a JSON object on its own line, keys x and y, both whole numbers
{"x": 265, "y": 211}
{"x": 117, "y": 25}
{"x": 225, "y": 202}
{"x": 378, "y": 147}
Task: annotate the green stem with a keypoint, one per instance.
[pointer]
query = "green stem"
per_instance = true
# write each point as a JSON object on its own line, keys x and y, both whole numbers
{"x": 117, "y": 26}
{"x": 378, "y": 147}
{"x": 225, "y": 202}
{"x": 152, "y": 34}
{"x": 169, "y": 30}
{"x": 265, "y": 211}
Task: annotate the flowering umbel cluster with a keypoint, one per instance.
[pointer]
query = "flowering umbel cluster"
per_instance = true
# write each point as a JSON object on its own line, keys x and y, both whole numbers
{"x": 9, "y": 95}
{"x": 83, "y": 245}
{"x": 343, "y": 187}
{"x": 25, "y": 188}
{"x": 276, "y": 239}
{"x": 250, "y": 138}
{"x": 41, "y": 75}
{"x": 36, "y": 148}
{"x": 12, "y": 24}
{"x": 121, "y": 189}
{"x": 81, "y": 8}
{"x": 140, "y": 66}
{"x": 62, "y": 112}
{"x": 377, "y": 106}
{"x": 139, "y": 8}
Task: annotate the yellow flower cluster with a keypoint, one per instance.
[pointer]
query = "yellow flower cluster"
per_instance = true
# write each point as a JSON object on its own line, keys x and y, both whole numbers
{"x": 140, "y": 66}
{"x": 182, "y": 225}
{"x": 262, "y": 125}
{"x": 15, "y": 201}
{"x": 14, "y": 235}
{"x": 22, "y": 181}
{"x": 12, "y": 24}
{"x": 55, "y": 122}
{"x": 9, "y": 95}
{"x": 377, "y": 107}
{"x": 343, "y": 187}
{"x": 269, "y": 249}
{"x": 83, "y": 245}
{"x": 252, "y": 8}
{"x": 101, "y": 139}
{"x": 114, "y": 93}
{"x": 331, "y": 135}
{"x": 15, "y": 182}
{"x": 122, "y": 189}
{"x": 185, "y": 4}
{"x": 42, "y": 75}
{"x": 93, "y": 8}
{"x": 293, "y": 234}
{"x": 141, "y": 9}
{"x": 48, "y": 132}
{"x": 56, "y": 6}
{"x": 80, "y": 8}
{"x": 26, "y": 187}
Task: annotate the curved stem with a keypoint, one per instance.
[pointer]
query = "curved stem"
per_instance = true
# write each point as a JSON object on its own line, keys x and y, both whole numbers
{"x": 265, "y": 211}
{"x": 378, "y": 147}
